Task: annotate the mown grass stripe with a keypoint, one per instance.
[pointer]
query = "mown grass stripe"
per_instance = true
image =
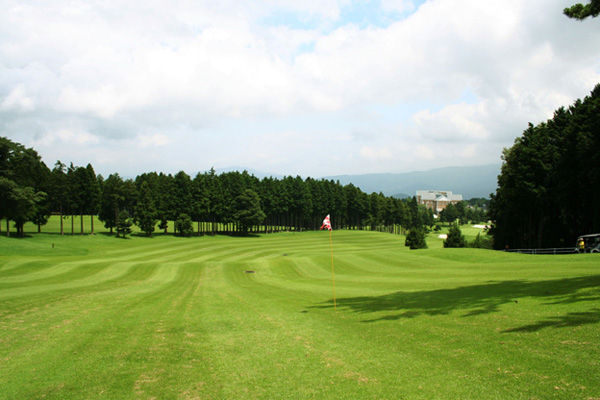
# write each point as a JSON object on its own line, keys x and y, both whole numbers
{"x": 19, "y": 268}
{"x": 180, "y": 318}
{"x": 57, "y": 274}
{"x": 21, "y": 300}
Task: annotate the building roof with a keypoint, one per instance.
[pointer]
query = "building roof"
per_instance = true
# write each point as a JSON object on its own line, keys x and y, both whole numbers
{"x": 435, "y": 194}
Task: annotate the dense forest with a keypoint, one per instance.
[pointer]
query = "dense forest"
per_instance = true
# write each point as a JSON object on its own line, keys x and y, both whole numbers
{"x": 548, "y": 193}
{"x": 549, "y": 186}
{"x": 232, "y": 202}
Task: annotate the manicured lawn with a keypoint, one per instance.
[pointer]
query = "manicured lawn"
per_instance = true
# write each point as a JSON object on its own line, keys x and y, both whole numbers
{"x": 95, "y": 317}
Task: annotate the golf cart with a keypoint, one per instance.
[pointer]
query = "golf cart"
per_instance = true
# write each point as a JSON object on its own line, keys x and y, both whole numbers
{"x": 588, "y": 243}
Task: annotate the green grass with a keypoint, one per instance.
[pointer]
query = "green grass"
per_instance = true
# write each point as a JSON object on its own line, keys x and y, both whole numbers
{"x": 97, "y": 317}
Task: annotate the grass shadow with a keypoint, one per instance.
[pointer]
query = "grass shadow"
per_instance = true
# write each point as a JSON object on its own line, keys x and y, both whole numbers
{"x": 564, "y": 321}
{"x": 15, "y": 236}
{"x": 482, "y": 299}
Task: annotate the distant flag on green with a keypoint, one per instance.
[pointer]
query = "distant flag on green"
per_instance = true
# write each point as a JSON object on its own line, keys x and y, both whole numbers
{"x": 327, "y": 225}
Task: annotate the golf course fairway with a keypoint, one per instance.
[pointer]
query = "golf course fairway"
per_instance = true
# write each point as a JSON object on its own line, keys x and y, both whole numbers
{"x": 95, "y": 317}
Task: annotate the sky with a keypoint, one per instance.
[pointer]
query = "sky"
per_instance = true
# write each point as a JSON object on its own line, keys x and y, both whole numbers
{"x": 310, "y": 88}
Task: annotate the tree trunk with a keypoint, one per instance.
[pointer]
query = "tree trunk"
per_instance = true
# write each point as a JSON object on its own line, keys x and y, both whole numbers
{"x": 92, "y": 222}
{"x": 540, "y": 234}
{"x": 7, "y": 227}
{"x": 116, "y": 220}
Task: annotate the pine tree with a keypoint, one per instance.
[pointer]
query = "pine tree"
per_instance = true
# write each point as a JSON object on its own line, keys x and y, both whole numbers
{"x": 145, "y": 211}
{"x": 455, "y": 237}
{"x": 183, "y": 225}
{"x": 124, "y": 224}
{"x": 248, "y": 212}
{"x": 110, "y": 201}
{"x": 416, "y": 239}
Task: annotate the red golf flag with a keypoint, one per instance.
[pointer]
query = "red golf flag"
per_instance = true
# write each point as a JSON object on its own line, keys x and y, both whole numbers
{"x": 326, "y": 223}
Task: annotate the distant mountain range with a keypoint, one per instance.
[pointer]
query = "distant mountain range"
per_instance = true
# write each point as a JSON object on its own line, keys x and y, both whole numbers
{"x": 475, "y": 181}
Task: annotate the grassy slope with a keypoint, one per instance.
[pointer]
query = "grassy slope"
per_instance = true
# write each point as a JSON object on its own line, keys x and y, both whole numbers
{"x": 97, "y": 317}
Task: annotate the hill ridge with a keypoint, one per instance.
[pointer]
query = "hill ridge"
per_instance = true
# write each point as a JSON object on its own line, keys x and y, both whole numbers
{"x": 473, "y": 181}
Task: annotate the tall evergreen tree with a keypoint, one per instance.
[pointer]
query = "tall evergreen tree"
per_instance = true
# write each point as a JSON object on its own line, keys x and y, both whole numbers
{"x": 200, "y": 206}
{"x": 123, "y": 224}
{"x": 455, "y": 237}
{"x": 549, "y": 185}
{"x": 112, "y": 199}
{"x": 59, "y": 191}
{"x": 145, "y": 211}
{"x": 181, "y": 195}
{"x": 84, "y": 191}
{"x": 248, "y": 212}
{"x": 22, "y": 174}
{"x": 92, "y": 194}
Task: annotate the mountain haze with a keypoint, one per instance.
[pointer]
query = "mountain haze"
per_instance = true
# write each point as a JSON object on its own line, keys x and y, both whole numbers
{"x": 476, "y": 181}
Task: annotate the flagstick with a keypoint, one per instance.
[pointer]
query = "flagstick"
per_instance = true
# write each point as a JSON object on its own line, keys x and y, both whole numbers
{"x": 332, "y": 271}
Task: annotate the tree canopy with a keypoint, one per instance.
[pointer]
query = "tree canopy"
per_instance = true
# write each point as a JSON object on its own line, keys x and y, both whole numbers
{"x": 549, "y": 186}
{"x": 455, "y": 237}
{"x": 248, "y": 212}
{"x": 582, "y": 11}
{"x": 23, "y": 179}
{"x": 145, "y": 211}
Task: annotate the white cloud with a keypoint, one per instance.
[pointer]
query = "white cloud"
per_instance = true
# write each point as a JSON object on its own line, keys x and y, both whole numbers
{"x": 188, "y": 70}
{"x": 155, "y": 140}
{"x": 468, "y": 151}
{"x": 424, "y": 153}
{"x": 67, "y": 137}
{"x": 375, "y": 153}
{"x": 456, "y": 122}
{"x": 18, "y": 100}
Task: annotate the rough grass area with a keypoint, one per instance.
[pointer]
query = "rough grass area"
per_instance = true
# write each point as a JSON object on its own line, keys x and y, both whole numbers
{"x": 93, "y": 317}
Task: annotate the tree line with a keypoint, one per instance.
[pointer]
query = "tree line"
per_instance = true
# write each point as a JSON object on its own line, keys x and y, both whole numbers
{"x": 549, "y": 186}
{"x": 208, "y": 203}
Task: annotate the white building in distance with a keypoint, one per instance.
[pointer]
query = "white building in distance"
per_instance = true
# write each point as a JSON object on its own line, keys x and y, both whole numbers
{"x": 437, "y": 200}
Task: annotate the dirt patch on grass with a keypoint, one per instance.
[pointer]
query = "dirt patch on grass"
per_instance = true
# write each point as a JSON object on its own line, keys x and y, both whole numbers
{"x": 356, "y": 376}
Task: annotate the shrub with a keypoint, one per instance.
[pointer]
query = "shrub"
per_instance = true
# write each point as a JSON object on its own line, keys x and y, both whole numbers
{"x": 455, "y": 237}
{"x": 183, "y": 225}
{"x": 416, "y": 239}
{"x": 480, "y": 242}
{"x": 124, "y": 224}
